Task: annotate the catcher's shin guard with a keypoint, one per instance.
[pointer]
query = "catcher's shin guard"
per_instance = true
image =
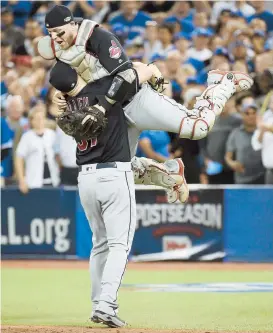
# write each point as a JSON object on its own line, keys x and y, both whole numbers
{"x": 209, "y": 105}
{"x": 169, "y": 175}
{"x": 149, "y": 172}
{"x": 242, "y": 80}
{"x": 219, "y": 94}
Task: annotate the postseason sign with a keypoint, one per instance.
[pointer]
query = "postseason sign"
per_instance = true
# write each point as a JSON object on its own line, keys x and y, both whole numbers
{"x": 191, "y": 231}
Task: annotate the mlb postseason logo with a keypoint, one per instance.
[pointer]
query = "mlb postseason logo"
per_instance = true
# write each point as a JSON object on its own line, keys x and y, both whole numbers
{"x": 194, "y": 228}
{"x": 170, "y": 243}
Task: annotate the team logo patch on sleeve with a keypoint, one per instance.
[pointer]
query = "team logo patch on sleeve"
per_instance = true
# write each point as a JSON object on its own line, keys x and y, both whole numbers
{"x": 114, "y": 50}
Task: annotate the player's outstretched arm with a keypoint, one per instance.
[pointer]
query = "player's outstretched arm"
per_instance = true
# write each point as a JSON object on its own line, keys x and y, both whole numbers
{"x": 144, "y": 72}
{"x": 150, "y": 73}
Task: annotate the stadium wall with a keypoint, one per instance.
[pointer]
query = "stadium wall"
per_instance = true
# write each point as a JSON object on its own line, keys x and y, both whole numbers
{"x": 229, "y": 223}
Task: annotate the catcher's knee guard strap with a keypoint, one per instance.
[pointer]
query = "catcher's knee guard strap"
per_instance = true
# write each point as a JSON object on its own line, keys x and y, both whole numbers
{"x": 219, "y": 94}
{"x": 198, "y": 122}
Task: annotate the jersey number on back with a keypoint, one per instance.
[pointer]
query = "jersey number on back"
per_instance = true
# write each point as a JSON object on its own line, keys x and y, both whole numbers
{"x": 84, "y": 144}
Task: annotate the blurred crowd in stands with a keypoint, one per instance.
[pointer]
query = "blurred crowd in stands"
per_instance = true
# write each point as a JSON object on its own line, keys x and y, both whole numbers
{"x": 185, "y": 39}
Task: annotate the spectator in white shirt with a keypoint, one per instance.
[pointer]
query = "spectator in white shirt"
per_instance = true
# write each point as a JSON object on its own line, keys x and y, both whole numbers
{"x": 235, "y": 5}
{"x": 173, "y": 64}
{"x": 102, "y": 10}
{"x": 15, "y": 113}
{"x": 200, "y": 20}
{"x": 165, "y": 35}
{"x": 65, "y": 149}
{"x": 243, "y": 7}
{"x": 35, "y": 162}
{"x": 151, "y": 43}
{"x": 263, "y": 140}
{"x": 182, "y": 43}
{"x": 218, "y": 8}
{"x": 200, "y": 49}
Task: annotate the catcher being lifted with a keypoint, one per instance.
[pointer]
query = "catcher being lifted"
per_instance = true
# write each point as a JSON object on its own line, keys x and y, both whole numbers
{"x": 90, "y": 121}
{"x": 96, "y": 54}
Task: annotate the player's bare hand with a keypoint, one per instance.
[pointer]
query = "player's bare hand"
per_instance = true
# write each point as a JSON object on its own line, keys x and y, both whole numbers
{"x": 59, "y": 100}
{"x": 263, "y": 127}
{"x": 237, "y": 166}
{"x": 23, "y": 187}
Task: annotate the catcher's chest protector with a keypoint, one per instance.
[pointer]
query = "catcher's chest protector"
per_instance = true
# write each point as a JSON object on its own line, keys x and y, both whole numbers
{"x": 86, "y": 65}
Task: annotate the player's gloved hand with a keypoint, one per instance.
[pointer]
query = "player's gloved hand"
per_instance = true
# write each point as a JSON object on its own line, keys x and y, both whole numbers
{"x": 85, "y": 124}
{"x": 158, "y": 84}
{"x": 59, "y": 100}
{"x": 157, "y": 81}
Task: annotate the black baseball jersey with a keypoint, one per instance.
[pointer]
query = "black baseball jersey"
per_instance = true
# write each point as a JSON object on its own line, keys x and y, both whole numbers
{"x": 112, "y": 145}
{"x": 106, "y": 47}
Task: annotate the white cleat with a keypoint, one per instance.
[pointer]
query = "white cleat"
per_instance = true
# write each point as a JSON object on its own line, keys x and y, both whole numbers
{"x": 242, "y": 80}
{"x": 109, "y": 320}
{"x": 179, "y": 192}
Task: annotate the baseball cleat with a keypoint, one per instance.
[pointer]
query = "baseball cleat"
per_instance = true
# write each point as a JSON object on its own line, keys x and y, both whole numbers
{"x": 242, "y": 80}
{"x": 95, "y": 319}
{"x": 106, "y": 319}
{"x": 179, "y": 192}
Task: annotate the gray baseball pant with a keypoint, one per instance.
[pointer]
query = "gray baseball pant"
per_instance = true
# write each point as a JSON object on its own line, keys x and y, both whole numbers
{"x": 147, "y": 111}
{"x": 108, "y": 199}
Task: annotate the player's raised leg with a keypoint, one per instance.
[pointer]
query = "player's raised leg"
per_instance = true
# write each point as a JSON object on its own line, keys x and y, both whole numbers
{"x": 169, "y": 175}
{"x": 159, "y": 112}
{"x": 154, "y": 111}
{"x": 242, "y": 80}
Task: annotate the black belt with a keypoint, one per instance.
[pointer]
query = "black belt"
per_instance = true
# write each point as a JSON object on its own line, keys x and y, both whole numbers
{"x": 102, "y": 165}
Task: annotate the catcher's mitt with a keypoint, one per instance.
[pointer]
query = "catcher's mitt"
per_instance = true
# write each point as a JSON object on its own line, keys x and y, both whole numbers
{"x": 84, "y": 124}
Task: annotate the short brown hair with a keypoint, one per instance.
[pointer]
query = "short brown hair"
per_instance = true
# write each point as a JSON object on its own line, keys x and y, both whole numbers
{"x": 240, "y": 96}
{"x": 37, "y": 108}
{"x": 168, "y": 26}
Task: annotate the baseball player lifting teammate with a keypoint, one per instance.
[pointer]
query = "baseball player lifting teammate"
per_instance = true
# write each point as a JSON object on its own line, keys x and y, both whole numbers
{"x": 106, "y": 187}
{"x": 108, "y": 150}
{"x": 95, "y": 53}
